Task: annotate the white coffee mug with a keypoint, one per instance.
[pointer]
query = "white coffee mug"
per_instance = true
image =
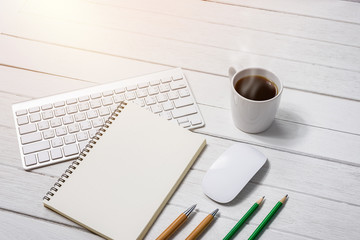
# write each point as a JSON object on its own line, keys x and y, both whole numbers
{"x": 253, "y": 116}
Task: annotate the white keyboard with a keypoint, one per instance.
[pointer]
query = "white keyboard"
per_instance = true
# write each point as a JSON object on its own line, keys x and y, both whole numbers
{"x": 56, "y": 128}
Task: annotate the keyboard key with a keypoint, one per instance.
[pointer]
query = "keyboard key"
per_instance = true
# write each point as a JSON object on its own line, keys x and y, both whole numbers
{"x": 34, "y": 109}
{"x": 36, "y": 147}
{"x": 31, "y": 137}
{"x": 92, "y": 132}
{"x": 182, "y": 120}
{"x": 162, "y": 97}
{"x": 61, "y": 131}
{"x": 46, "y": 106}
{"x": 71, "y": 101}
{"x": 95, "y": 95}
{"x": 166, "y": 79}
{"x": 59, "y": 112}
{"x": 84, "y": 106}
{"x": 57, "y": 142}
{"x": 68, "y": 119}
{"x": 49, "y": 134}
{"x": 150, "y": 100}
{"x": 70, "y": 150}
{"x": 95, "y": 103}
{"x": 59, "y": 104}
{"x": 27, "y": 128}
{"x": 177, "y": 85}
{"x": 21, "y": 112}
{"x": 56, "y": 153}
{"x": 184, "y": 92}
{"x": 131, "y": 88}
{"x": 47, "y": 114}
{"x": 82, "y": 136}
{"x": 168, "y": 106}
{"x": 91, "y": 114}
{"x": 82, "y": 145}
{"x": 143, "y": 85}
{"x": 71, "y": 109}
{"x": 177, "y": 76}
{"x": 185, "y": 124}
{"x": 22, "y": 120}
{"x": 181, "y": 102}
{"x": 156, "y": 109}
{"x": 141, "y": 93}
{"x": 72, "y": 128}
{"x": 155, "y": 82}
{"x": 55, "y": 122}
{"x": 84, "y": 98}
{"x": 184, "y": 111}
{"x": 43, "y": 157}
{"x": 139, "y": 102}
{"x": 104, "y": 111}
{"x": 164, "y": 88}
{"x": 166, "y": 115}
{"x": 97, "y": 122}
{"x": 130, "y": 95}
{"x": 85, "y": 125}
{"x": 173, "y": 95}
{"x": 35, "y": 117}
{"x": 153, "y": 90}
{"x": 30, "y": 160}
{"x": 119, "y": 98}
{"x": 107, "y": 101}
{"x": 108, "y": 93}
{"x": 43, "y": 125}
{"x": 69, "y": 139}
{"x": 120, "y": 90}
{"x": 80, "y": 117}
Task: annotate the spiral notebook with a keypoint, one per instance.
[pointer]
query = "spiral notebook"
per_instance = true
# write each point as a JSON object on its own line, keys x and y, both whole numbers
{"x": 127, "y": 173}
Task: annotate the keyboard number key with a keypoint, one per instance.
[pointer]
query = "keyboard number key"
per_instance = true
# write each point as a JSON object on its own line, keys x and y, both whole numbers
{"x": 22, "y": 120}
{"x": 59, "y": 112}
{"x": 35, "y": 117}
{"x": 47, "y": 114}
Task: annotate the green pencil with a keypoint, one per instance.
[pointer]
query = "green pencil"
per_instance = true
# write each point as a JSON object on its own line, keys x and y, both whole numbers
{"x": 243, "y": 219}
{"x": 267, "y": 218}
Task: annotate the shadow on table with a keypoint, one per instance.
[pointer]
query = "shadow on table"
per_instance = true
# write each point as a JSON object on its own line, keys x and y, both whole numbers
{"x": 283, "y": 132}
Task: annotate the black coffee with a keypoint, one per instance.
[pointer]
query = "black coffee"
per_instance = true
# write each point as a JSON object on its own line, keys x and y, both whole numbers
{"x": 256, "y": 88}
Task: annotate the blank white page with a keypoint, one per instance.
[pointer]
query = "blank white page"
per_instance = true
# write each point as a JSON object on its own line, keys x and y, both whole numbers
{"x": 126, "y": 179}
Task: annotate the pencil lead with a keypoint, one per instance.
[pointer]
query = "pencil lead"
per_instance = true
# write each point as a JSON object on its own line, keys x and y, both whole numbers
{"x": 189, "y": 210}
{"x": 214, "y": 212}
{"x": 260, "y": 200}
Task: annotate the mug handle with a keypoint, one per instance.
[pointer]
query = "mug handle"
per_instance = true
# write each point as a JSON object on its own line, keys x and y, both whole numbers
{"x": 233, "y": 70}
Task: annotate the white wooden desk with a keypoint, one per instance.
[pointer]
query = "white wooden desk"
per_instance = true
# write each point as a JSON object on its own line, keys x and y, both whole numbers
{"x": 313, "y": 147}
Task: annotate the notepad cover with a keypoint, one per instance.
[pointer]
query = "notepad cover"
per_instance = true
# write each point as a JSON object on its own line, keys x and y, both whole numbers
{"x": 124, "y": 182}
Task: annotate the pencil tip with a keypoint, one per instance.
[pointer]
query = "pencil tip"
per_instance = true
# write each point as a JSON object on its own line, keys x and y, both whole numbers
{"x": 189, "y": 210}
{"x": 286, "y": 195}
{"x": 214, "y": 212}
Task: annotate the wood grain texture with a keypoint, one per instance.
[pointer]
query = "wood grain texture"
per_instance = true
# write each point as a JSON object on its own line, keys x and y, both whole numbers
{"x": 299, "y": 75}
{"x": 312, "y": 147}
{"x": 250, "y": 18}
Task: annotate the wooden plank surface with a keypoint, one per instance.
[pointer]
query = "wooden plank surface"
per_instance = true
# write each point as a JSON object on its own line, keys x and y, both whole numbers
{"x": 312, "y": 147}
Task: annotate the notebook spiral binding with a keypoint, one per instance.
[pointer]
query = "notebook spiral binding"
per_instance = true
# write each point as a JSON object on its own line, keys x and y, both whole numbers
{"x": 83, "y": 153}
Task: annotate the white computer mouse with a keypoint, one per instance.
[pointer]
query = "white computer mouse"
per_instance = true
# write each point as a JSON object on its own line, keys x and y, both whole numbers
{"x": 231, "y": 172}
